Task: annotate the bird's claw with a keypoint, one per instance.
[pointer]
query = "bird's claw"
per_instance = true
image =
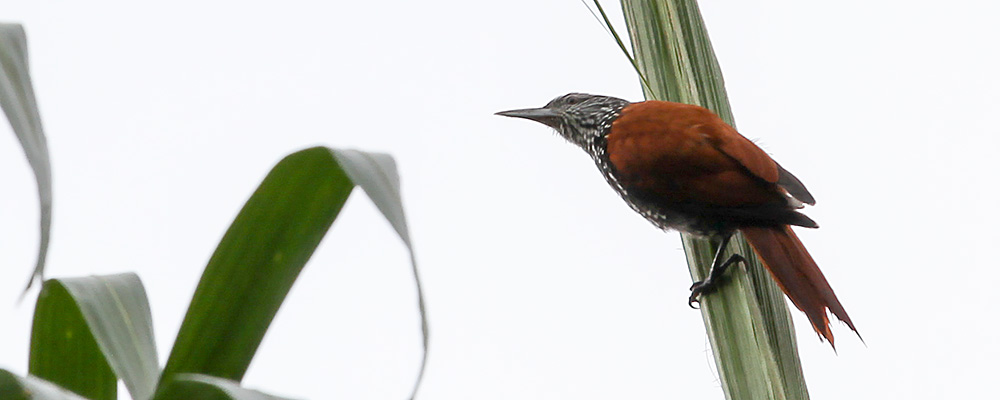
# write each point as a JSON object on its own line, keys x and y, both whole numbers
{"x": 697, "y": 289}
{"x": 692, "y": 300}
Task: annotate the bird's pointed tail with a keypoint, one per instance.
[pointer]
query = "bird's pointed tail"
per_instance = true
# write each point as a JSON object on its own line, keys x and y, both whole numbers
{"x": 797, "y": 275}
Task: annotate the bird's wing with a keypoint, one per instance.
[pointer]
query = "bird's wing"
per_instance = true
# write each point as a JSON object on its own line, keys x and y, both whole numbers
{"x": 753, "y": 158}
{"x": 730, "y": 142}
{"x": 684, "y": 158}
{"x": 681, "y": 153}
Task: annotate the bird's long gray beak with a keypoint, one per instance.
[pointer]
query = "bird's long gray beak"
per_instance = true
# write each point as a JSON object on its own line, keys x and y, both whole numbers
{"x": 543, "y": 115}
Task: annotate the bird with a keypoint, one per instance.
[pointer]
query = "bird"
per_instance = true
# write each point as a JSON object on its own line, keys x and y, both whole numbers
{"x": 683, "y": 168}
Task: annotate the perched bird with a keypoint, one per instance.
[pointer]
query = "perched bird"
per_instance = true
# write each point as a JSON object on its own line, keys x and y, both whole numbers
{"x": 681, "y": 167}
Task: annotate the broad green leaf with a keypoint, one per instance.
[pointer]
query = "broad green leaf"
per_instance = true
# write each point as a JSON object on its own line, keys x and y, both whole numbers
{"x": 205, "y": 387}
{"x": 264, "y": 250}
{"x": 747, "y": 320}
{"x": 117, "y": 310}
{"x": 17, "y": 98}
{"x": 117, "y": 320}
{"x": 13, "y": 387}
{"x": 256, "y": 263}
{"x": 63, "y": 349}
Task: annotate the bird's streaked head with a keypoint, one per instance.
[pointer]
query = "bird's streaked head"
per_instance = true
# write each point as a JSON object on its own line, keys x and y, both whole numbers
{"x": 578, "y": 117}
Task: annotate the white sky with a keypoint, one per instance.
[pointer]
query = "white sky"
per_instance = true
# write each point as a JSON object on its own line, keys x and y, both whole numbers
{"x": 541, "y": 283}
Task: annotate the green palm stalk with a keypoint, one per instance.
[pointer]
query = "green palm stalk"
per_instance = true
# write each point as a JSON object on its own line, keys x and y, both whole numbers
{"x": 748, "y": 323}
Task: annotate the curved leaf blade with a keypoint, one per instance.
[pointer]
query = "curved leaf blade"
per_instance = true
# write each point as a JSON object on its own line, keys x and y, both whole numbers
{"x": 63, "y": 348}
{"x": 114, "y": 311}
{"x": 17, "y": 98}
{"x": 117, "y": 310}
{"x": 205, "y": 387}
{"x": 376, "y": 173}
{"x": 13, "y": 387}
{"x": 269, "y": 243}
{"x": 256, "y": 263}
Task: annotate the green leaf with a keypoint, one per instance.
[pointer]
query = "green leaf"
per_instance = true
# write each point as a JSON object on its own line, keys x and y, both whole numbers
{"x": 748, "y": 323}
{"x": 13, "y": 387}
{"x": 117, "y": 310}
{"x": 255, "y": 264}
{"x": 264, "y": 250}
{"x": 73, "y": 315}
{"x": 205, "y": 387}
{"x": 63, "y": 349}
{"x": 17, "y": 98}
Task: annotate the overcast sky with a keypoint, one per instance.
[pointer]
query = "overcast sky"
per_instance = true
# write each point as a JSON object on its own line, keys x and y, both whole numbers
{"x": 541, "y": 283}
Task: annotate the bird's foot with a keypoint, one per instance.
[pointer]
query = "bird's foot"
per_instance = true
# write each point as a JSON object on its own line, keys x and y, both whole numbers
{"x": 699, "y": 288}
{"x": 714, "y": 279}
